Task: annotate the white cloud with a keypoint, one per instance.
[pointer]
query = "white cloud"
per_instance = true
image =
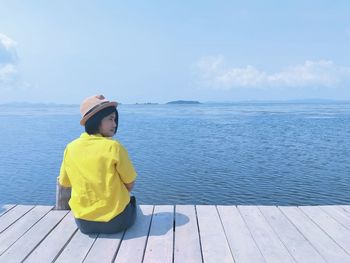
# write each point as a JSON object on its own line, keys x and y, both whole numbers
{"x": 213, "y": 72}
{"x": 7, "y": 71}
{"x": 8, "y": 60}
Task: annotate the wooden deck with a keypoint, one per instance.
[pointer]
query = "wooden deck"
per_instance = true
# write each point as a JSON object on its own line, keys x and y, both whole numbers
{"x": 181, "y": 233}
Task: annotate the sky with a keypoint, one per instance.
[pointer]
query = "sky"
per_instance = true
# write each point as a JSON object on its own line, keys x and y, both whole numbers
{"x": 159, "y": 51}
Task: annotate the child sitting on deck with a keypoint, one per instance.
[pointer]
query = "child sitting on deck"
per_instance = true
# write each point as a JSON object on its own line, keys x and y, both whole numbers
{"x": 99, "y": 172}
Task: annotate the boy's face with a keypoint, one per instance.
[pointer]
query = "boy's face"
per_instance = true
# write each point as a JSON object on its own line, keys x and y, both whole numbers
{"x": 108, "y": 125}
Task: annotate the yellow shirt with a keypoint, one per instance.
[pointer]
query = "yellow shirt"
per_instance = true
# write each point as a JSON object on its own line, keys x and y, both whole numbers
{"x": 96, "y": 168}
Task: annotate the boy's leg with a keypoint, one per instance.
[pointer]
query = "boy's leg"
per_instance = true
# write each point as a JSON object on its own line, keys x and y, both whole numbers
{"x": 133, "y": 200}
{"x": 124, "y": 220}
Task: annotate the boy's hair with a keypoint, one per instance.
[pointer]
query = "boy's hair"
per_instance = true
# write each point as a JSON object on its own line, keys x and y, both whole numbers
{"x": 93, "y": 123}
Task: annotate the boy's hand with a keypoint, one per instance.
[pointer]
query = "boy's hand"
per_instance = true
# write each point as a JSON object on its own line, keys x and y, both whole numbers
{"x": 130, "y": 186}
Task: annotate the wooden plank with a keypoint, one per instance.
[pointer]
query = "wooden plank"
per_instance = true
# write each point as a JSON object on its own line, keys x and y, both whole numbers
{"x": 266, "y": 239}
{"x": 134, "y": 241}
{"x": 19, "y": 250}
{"x": 78, "y": 247}
{"x": 312, "y": 234}
{"x": 338, "y": 214}
{"x": 213, "y": 240}
{"x": 5, "y": 208}
{"x": 14, "y": 214}
{"x": 243, "y": 246}
{"x": 334, "y": 229}
{"x": 345, "y": 208}
{"x": 187, "y": 244}
{"x": 51, "y": 246}
{"x": 327, "y": 248}
{"x": 16, "y": 230}
{"x": 294, "y": 241}
{"x": 104, "y": 248}
{"x": 159, "y": 246}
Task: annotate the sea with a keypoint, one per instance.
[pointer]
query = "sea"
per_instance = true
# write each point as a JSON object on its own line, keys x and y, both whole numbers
{"x": 209, "y": 153}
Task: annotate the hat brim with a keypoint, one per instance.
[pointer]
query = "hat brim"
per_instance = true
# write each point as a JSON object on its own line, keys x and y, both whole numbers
{"x": 103, "y": 106}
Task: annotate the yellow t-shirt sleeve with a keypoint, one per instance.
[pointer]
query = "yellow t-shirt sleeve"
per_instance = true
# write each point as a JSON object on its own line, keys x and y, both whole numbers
{"x": 124, "y": 166}
{"x": 63, "y": 179}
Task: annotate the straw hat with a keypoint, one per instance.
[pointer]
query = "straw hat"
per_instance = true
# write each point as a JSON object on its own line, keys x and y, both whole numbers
{"x": 92, "y": 105}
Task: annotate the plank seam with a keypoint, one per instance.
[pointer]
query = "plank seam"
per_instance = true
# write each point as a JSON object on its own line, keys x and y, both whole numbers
{"x": 250, "y": 232}
{"x": 299, "y": 230}
{"x": 118, "y": 247}
{"x": 324, "y": 232}
{"x": 44, "y": 237}
{"x": 174, "y": 216}
{"x": 330, "y": 214}
{"x": 65, "y": 245}
{"x": 17, "y": 219}
{"x": 346, "y": 209}
{"x": 273, "y": 230}
{"x": 87, "y": 253}
{"x": 199, "y": 233}
{"x": 343, "y": 209}
{"x": 149, "y": 230}
{"x": 223, "y": 228}
{"x": 8, "y": 210}
{"x": 25, "y": 231}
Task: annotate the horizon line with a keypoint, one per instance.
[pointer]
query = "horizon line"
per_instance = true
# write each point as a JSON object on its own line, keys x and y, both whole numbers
{"x": 201, "y": 102}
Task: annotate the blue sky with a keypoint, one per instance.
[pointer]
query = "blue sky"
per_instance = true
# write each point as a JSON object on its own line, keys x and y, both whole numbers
{"x": 157, "y": 51}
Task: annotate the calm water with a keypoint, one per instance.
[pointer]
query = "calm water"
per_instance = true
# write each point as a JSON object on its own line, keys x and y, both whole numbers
{"x": 286, "y": 154}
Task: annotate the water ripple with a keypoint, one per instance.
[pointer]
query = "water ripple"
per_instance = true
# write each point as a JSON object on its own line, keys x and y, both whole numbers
{"x": 271, "y": 154}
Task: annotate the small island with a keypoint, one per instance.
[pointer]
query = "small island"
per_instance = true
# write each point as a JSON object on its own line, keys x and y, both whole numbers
{"x": 147, "y": 103}
{"x": 183, "y": 102}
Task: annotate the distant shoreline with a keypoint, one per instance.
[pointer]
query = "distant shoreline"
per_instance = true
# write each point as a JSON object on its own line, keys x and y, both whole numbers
{"x": 183, "y": 102}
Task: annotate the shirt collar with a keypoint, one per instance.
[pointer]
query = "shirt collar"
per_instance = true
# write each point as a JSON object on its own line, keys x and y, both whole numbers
{"x": 86, "y": 135}
{"x": 97, "y": 135}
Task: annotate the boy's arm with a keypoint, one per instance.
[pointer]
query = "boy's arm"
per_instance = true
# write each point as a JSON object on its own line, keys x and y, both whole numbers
{"x": 130, "y": 186}
{"x": 61, "y": 185}
{"x": 63, "y": 194}
{"x": 125, "y": 168}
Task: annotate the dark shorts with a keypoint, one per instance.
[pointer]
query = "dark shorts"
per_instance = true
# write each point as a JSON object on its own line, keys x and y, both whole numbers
{"x": 119, "y": 223}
